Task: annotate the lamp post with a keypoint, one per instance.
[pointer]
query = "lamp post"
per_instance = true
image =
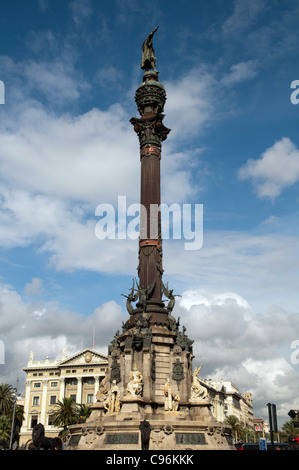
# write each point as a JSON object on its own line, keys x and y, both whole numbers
{"x": 13, "y": 415}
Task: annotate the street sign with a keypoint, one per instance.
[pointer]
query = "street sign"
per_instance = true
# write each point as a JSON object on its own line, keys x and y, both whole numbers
{"x": 263, "y": 443}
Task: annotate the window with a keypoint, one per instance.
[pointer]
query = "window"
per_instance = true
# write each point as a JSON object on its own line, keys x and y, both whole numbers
{"x": 54, "y": 384}
{"x": 90, "y": 381}
{"x": 90, "y": 398}
{"x": 53, "y": 399}
{"x": 50, "y": 420}
{"x": 34, "y": 420}
{"x": 37, "y": 385}
{"x": 73, "y": 397}
{"x": 35, "y": 401}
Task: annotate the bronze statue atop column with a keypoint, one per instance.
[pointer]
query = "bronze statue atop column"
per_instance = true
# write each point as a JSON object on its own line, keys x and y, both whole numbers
{"x": 148, "y": 60}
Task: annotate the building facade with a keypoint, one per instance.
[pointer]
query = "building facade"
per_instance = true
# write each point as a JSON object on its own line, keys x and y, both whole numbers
{"x": 49, "y": 381}
{"x": 227, "y": 400}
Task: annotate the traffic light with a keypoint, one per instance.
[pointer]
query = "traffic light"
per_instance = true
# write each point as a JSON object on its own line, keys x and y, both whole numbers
{"x": 293, "y": 413}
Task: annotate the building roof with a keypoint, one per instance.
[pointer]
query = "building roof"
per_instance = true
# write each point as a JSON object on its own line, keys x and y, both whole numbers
{"x": 88, "y": 356}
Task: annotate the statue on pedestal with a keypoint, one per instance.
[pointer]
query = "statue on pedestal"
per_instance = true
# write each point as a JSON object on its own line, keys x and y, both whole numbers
{"x": 112, "y": 403}
{"x": 103, "y": 390}
{"x": 198, "y": 391}
{"x": 135, "y": 384}
{"x": 148, "y": 60}
{"x": 172, "y": 400}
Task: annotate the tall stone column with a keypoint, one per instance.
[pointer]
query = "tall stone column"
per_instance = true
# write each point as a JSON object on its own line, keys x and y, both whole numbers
{"x": 62, "y": 389}
{"x": 79, "y": 390}
{"x": 43, "y": 417}
{"x": 26, "y": 422}
{"x": 150, "y": 99}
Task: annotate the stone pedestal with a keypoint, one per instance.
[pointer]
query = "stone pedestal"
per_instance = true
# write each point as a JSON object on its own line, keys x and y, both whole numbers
{"x": 155, "y": 362}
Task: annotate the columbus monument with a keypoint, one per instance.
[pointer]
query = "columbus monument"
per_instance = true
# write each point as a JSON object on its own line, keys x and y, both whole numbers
{"x": 151, "y": 398}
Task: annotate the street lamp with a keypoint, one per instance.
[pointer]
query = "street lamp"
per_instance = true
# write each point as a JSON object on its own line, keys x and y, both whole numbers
{"x": 13, "y": 415}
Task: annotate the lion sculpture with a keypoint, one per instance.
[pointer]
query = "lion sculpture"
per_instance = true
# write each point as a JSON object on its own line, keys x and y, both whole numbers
{"x": 40, "y": 441}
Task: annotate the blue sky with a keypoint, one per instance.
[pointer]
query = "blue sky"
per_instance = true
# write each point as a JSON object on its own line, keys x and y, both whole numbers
{"x": 70, "y": 71}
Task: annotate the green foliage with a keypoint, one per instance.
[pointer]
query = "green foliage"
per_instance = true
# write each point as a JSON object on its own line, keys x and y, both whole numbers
{"x": 68, "y": 412}
{"x": 5, "y": 429}
{"x": 7, "y": 401}
{"x": 6, "y": 398}
{"x": 288, "y": 429}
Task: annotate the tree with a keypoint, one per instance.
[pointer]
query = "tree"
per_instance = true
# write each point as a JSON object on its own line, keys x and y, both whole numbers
{"x": 234, "y": 422}
{"x": 288, "y": 429}
{"x": 10, "y": 413}
{"x": 83, "y": 412}
{"x": 65, "y": 415}
{"x": 6, "y": 398}
{"x": 5, "y": 429}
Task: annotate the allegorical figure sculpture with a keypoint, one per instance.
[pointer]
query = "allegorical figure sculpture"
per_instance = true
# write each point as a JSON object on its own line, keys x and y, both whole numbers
{"x": 172, "y": 400}
{"x": 170, "y": 295}
{"x": 148, "y": 60}
{"x": 112, "y": 403}
{"x": 103, "y": 390}
{"x": 131, "y": 298}
{"x": 135, "y": 384}
{"x": 143, "y": 294}
{"x": 198, "y": 391}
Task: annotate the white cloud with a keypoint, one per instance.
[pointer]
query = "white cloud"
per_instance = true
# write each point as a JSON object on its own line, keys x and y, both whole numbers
{"x": 260, "y": 266}
{"x": 244, "y": 15}
{"x": 34, "y": 287}
{"x": 45, "y": 328}
{"x": 190, "y": 103}
{"x": 56, "y": 80}
{"x": 81, "y": 11}
{"x": 240, "y": 72}
{"x": 276, "y": 170}
{"x": 237, "y": 344}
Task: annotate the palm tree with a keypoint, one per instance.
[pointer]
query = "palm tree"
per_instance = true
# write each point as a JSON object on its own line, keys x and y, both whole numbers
{"x": 65, "y": 415}
{"x": 288, "y": 429}
{"x": 5, "y": 429}
{"x": 83, "y": 412}
{"x": 6, "y": 398}
{"x": 234, "y": 422}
